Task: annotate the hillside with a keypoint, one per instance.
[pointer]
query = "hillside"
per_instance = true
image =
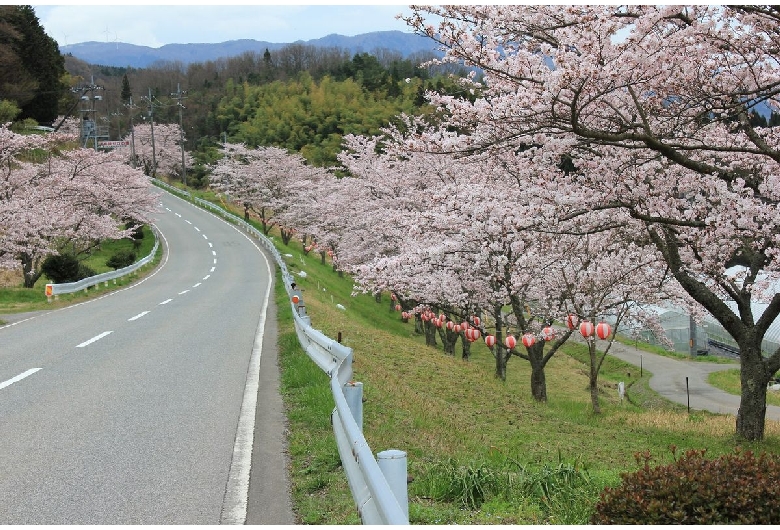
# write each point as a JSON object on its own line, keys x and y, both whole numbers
{"x": 130, "y": 55}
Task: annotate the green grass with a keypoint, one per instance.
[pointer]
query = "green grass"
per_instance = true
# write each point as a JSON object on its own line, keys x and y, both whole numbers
{"x": 729, "y": 381}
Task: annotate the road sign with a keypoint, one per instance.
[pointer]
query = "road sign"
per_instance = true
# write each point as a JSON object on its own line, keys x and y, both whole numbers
{"x": 113, "y": 144}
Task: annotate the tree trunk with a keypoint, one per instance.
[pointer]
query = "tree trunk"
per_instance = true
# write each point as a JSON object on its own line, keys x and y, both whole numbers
{"x": 286, "y": 236}
{"x": 754, "y": 377}
{"x": 448, "y": 340}
{"x": 430, "y": 333}
{"x": 538, "y": 384}
{"x": 28, "y": 271}
{"x": 538, "y": 378}
{"x": 594, "y": 377}
{"x": 466, "y": 350}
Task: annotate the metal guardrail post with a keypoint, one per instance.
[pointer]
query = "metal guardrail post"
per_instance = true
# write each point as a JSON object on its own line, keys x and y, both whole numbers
{"x": 393, "y": 465}
{"x": 353, "y": 393}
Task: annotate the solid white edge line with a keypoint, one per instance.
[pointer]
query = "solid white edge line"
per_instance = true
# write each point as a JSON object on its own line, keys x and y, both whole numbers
{"x": 234, "y": 505}
{"x": 18, "y": 378}
{"x": 93, "y": 339}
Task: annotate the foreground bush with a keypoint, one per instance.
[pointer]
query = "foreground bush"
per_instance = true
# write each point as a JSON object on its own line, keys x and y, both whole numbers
{"x": 738, "y": 488}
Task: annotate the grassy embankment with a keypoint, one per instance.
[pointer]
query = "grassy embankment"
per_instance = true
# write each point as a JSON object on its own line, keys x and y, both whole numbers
{"x": 480, "y": 451}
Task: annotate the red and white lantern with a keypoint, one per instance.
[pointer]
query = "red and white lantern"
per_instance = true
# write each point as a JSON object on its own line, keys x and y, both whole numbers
{"x": 464, "y": 325}
{"x": 450, "y": 325}
{"x": 510, "y": 342}
{"x": 548, "y": 333}
{"x": 490, "y": 341}
{"x": 571, "y": 321}
{"x": 586, "y": 329}
{"x": 603, "y": 330}
{"x": 457, "y": 328}
{"x": 529, "y": 340}
{"x": 397, "y": 307}
{"x": 476, "y": 320}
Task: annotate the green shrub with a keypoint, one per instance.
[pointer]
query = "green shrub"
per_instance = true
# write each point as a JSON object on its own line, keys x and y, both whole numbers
{"x": 738, "y": 488}
{"x": 62, "y": 268}
{"x": 85, "y": 272}
{"x": 122, "y": 258}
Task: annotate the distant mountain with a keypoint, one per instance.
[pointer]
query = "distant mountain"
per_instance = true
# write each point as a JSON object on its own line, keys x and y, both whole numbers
{"x": 129, "y": 55}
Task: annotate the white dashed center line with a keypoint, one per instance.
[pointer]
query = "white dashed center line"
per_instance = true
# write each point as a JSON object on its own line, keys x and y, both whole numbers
{"x": 18, "y": 377}
{"x": 166, "y": 301}
{"x": 93, "y": 339}
{"x": 139, "y": 315}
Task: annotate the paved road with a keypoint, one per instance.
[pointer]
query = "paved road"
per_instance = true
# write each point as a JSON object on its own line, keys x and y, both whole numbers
{"x": 139, "y": 407}
{"x": 669, "y": 381}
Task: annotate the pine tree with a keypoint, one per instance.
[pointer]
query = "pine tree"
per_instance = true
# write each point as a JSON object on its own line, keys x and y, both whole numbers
{"x": 126, "y": 92}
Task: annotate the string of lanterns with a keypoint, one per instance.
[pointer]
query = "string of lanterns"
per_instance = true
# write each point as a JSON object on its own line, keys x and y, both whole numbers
{"x": 602, "y": 330}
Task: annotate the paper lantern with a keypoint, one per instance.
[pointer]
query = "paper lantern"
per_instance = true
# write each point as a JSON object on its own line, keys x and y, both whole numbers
{"x": 603, "y": 330}
{"x": 457, "y": 328}
{"x": 490, "y": 341}
{"x": 464, "y": 325}
{"x": 548, "y": 333}
{"x": 450, "y": 325}
{"x": 476, "y": 320}
{"x": 586, "y": 329}
{"x": 529, "y": 340}
{"x": 510, "y": 342}
{"x": 397, "y": 307}
{"x": 571, "y": 321}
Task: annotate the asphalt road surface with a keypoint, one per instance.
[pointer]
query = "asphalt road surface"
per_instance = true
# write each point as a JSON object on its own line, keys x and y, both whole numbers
{"x": 154, "y": 404}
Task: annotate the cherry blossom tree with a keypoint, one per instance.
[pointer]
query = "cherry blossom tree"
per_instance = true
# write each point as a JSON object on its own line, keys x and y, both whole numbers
{"x": 69, "y": 200}
{"x": 265, "y": 180}
{"x": 595, "y": 99}
{"x": 157, "y": 149}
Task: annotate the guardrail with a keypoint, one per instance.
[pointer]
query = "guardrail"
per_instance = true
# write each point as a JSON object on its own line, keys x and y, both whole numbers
{"x": 378, "y": 486}
{"x": 54, "y": 289}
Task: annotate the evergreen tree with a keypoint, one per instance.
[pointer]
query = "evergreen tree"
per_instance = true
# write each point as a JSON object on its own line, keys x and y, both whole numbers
{"x": 40, "y": 57}
{"x": 126, "y": 92}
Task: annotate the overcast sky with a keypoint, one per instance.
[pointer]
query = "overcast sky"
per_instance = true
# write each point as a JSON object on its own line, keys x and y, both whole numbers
{"x": 152, "y": 25}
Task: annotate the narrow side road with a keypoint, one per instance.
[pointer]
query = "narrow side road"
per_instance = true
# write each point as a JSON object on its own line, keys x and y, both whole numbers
{"x": 669, "y": 377}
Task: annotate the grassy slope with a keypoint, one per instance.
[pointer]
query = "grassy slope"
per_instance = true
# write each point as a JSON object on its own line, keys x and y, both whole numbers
{"x": 439, "y": 409}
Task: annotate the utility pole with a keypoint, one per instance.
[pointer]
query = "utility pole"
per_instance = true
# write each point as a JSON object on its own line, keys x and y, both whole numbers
{"x": 179, "y": 96}
{"x": 151, "y": 122}
{"x": 130, "y": 108}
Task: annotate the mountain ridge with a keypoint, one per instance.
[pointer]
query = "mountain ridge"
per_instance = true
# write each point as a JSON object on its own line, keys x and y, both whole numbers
{"x": 120, "y": 54}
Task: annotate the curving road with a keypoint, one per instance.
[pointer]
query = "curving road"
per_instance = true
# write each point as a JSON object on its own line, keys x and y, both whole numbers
{"x": 154, "y": 404}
